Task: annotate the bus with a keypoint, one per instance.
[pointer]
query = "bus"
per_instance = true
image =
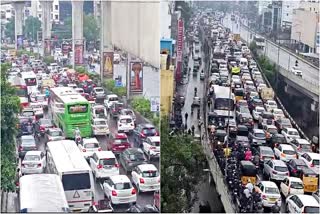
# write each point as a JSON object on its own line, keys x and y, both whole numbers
{"x": 42, "y": 193}
{"x": 260, "y": 41}
{"x": 21, "y": 90}
{"x": 30, "y": 80}
{"x": 70, "y": 110}
{"x": 66, "y": 160}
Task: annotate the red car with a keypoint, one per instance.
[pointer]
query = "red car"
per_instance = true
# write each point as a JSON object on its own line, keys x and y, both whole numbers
{"x": 118, "y": 142}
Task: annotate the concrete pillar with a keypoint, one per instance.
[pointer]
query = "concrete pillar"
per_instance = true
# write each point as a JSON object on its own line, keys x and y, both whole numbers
{"x": 46, "y": 26}
{"x": 77, "y": 31}
{"x": 18, "y": 7}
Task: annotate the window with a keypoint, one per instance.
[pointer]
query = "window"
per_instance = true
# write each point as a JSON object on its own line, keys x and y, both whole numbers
{"x": 287, "y": 14}
{"x": 56, "y": 17}
{"x": 56, "y": 7}
{"x": 76, "y": 181}
{"x": 39, "y": 16}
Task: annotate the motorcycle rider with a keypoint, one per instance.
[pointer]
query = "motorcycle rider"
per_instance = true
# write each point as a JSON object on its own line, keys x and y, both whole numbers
{"x": 195, "y": 91}
{"x": 275, "y": 208}
{"x": 77, "y": 135}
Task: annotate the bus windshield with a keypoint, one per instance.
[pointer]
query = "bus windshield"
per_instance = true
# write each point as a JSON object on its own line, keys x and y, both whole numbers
{"x": 224, "y": 104}
{"x": 21, "y": 92}
{"x": 31, "y": 81}
{"x": 76, "y": 181}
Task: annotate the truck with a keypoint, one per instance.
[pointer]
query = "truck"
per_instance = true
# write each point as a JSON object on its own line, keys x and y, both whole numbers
{"x": 267, "y": 94}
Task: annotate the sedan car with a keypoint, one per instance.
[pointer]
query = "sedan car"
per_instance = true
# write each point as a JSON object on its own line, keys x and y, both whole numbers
{"x": 302, "y": 204}
{"x": 270, "y": 193}
{"x": 142, "y": 131}
{"x": 131, "y": 158}
{"x": 54, "y": 134}
{"x": 295, "y": 167}
{"x": 34, "y": 162}
{"x": 301, "y": 145}
{"x": 275, "y": 170}
{"x": 285, "y": 152}
{"x": 146, "y": 178}
{"x": 291, "y": 185}
{"x": 257, "y": 137}
{"x": 290, "y": 134}
{"x": 26, "y": 143}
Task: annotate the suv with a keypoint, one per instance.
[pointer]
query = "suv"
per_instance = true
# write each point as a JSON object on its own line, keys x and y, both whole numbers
{"x": 118, "y": 142}
{"x": 142, "y": 131}
{"x": 104, "y": 164}
{"x": 302, "y": 204}
{"x": 152, "y": 147}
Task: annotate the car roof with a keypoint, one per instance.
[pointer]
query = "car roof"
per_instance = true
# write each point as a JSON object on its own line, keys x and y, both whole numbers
{"x": 271, "y": 126}
{"x": 119, "y": 179}
{"x": 292, "y": 129}
{"x": 105, "y": 154}
{"x": 54, "y": 129}
{"x": 27, "y": 137}
{"x": 90, "y": 140}
{"x": 287, "y": 147}
{"x": 313, "y": 155}
{"x": 278, "y": 163}
{"x": 146, "y": 167}
{"x": 99, "y": 119}
{"x": 302, "y": 141}
{"x": 269, "y": 184}
{"x": 134, "y": 150}
{"x": 258, "y": 131}
{"x": 154, "y": 138}
{"x": 265, "y": 148}
{"x": 308, "y": 200}
{"x": 147, "y": 125}
{"x": 112, "y": 95}
{"x": 33, "y": 153}
{"x": 120, "y": 135}
{"x": 294, "y": 179}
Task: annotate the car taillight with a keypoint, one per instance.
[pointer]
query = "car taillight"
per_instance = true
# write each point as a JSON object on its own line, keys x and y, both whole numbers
{"x": 84, "y": 150}
{"x": 49, "y": 138}
{"x": 142, "y": 135}
{"x": 17, "y": 184}
{"x": 274, "y": 172}
{"x": 157, "y": 134}
{"x": 114, "y": 193}
{"x": 263, "y": 196}
{"x": 85, "y": 86}
{"x": 117, "y": 165}
{"x": 78, "y": 138}
{"x": 158, "y": 180}
{"x": 267, "y": 135}
{"x": 283, "y": 155}
{"x": 141, "y": 181}
{"x": 39, "y": 165}
{"x": 272, "y": 158}
{"x": 153, "y": 147}
{"x": 99, "y": 166}
{"x": 311, "y": 165}
{"x": 42, "y": 128}
{"x": 99, "y": 149}
{"x": 133, "y": 192}
{"x": 287, "y": 173}
{"x": 261, "y": 157}
{"x": 294, "y": 171}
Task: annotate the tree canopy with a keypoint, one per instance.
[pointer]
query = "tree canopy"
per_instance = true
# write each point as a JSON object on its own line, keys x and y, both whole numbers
{"x": 32, "y": 26}
{"x": 9, "y": 29}
{"x": 9, "y": 109}
{"x": 181, "y": 170}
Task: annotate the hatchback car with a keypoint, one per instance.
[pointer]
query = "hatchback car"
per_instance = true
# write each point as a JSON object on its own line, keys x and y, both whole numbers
{"x": 118, "y": 142}
{"x": 100, "y": 127}
{"x": 119, "y": 190}
{"x": 270, "y": 193}
{"x": 257, "y": 112}
{"x": 130, "y": 112}
{"x": 142, "y": 131}
{"x": 291, "y": 185}
{"x": 257, "y": 137}
{"x": 285, "y": 152}
{"x": 27, "y": 143}
{"x": 151, "y": 147}
{"x": 301, "y": 145}
{"x": 125, "y": 124}
{"x": 88, "y": 146}
{"x": 34, "y": 162}
{"x": 54, "y": 134}
{"x": 131, "y": 158}
{"x": 265, "y": 153}
{"x": 290, "y": 134}
{"x": 146, "y": 178}
{"x": 104, "y": 164}
{"x": 275, "y": 170}
{"x": 302, "y": 204}
{"x": 295, "y": 167}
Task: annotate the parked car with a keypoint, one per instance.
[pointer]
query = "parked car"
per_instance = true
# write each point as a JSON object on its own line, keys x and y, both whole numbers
{"x": 270, "y": 193}
{"x": 146, "y": 178}
{"x": 104, "y": 164}
{"x": 119, "y": 190}
{"x": 131, "y": 158}
{"x": 34, "y": 162}
{"x": 302, "y": 204}
{"x": 291, "y": 186}
{"x": 275, "y": 170}
{"x": 26, "y": 143}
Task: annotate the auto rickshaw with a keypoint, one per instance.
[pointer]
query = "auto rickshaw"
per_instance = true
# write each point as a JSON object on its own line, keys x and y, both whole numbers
{"x": 248, "y": 172}
{"x": 239, "y": 94}
{"x": 218, "y": 139}
{"x": 242, "y": 130}
{"x": 309, "y": 179}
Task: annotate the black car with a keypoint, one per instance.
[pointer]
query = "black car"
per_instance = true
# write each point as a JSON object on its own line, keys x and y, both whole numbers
{"x": 295, "y": 167}
{"x": 42, "y": 125}
{"x": 131, "y": 158}
{"x": 142, "y": 131}
{"x": 26, "y": 143}
{"x": 25, "y": 126}
{"x": 115, "y": 109}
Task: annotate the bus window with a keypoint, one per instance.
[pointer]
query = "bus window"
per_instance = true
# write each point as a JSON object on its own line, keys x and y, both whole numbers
{"x": 31, "y": 81}
{"x": 78, "y": 109}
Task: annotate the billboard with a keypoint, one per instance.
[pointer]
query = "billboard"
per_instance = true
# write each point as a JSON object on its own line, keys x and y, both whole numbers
{"x": 19, "y": 42}
{"x": 179, "y": 50}
{"x": 136, "y": 77}
{"x": 78, "y": 54}
{"x": 155, "y": 104}
{"x": 107, "y": 63}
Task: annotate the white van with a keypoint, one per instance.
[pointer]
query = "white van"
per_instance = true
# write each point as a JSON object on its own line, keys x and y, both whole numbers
{"x": 243, "y": 62}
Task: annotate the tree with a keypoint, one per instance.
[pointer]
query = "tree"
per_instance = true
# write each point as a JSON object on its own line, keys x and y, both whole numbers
{"x": 9, "y": 109}
{"x": 90, "y": 28}
{"x": 9, "y": 29}
{"x": 32, "y": 26}
{"x": 63, "y": 31}
{"x": 186, "y": 12}
{"x": 181, "y": 170}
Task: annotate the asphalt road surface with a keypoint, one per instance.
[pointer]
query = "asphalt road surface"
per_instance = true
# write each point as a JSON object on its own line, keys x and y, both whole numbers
{"x": 286, "y": 60}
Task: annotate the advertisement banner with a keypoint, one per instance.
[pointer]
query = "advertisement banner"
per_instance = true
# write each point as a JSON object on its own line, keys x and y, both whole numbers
{"x": 107, "y": 62}
{"x": 78, "y": 55}
{"x": 47, "y": 47}
{"x": 179, "y": 50}
{"x": 155, "y": 104}
{"x": 136, "y": 77}
{"x": 19, "y": 42}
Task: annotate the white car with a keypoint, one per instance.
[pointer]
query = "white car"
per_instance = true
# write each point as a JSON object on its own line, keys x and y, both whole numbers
{"x": 33, "y": 95}
{"x": 79, "y": 90}
{"x": 296, "y": 71}
{"x": 275, "y": 170}
{"x": 119, "y": 190}
{"x": 98, "y": 91}
{"x": 270, "y": 193}
{"x": 34, "y": 162}
{"x": 301, "y": 145}
{"x": 42, "y": 100}
{"x": 100, "y": 127}
{"x": 257, "y": 112}
{"x": 111, "y": 98}
{"x": 37, "y": 108}
{"x": 285, "y": 152}
{"x": 291, "y": 186}
{"x": 99, "y": 111}
{"x": 152, "y": 147}
{"x": 312, "y": 160}
{"x": 290, "y": 134}
{"x": 270, "y": 105}
{"x": 146, "y": 178}
{"x": 125, "y": 123}
{"x": 104, "y": 164}
{"x": 88, "y": 146}
{"x": 261, "y": 86}
{"x": 72, "y": 85}
{"x": 302, "y": 204}
{"x": 278, "y": 113}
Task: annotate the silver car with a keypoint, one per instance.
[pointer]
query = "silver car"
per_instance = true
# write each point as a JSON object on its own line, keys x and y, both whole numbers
{"x": 275, "y": 170}
{"x": 257, "y": 137}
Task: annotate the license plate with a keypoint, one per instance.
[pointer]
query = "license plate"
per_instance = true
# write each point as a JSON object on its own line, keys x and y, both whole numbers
{"x": 123, "y": 199}
{"x": 31, "y": 165}
{"x": 121, "y": 146}
{"x": 272, "y": 199}
{"x": 151, "y": 187}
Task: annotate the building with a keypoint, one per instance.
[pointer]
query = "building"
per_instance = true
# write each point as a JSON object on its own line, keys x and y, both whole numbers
{"x": 7, "y": 12}
{"x": 262, "y": 5}
{"x": 165, "y": 19}
{"x": 286, "y": 13}
{"x": 36, "y": 10}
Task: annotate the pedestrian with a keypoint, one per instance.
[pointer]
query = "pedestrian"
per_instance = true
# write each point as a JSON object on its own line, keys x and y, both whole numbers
{"x": 192, "y": 129}
{"x": 248, "y": 155}
{"x": 186, "y": 116}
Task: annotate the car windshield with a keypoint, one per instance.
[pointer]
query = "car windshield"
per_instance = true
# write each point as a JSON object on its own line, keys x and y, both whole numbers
{"x": 127, "y": 120}
{"x": 113, "y": 99}
{"x": 267, "y": 152}
{"x": 107, "y": 161}
{"x": 271, "y": 190}
{"x": 293, "y": 133}
{"x": 91, "y": 145}
{"x": 315, "y": 162}
{"x": 285, "y": 122}
{"x": 244, "y": 110}
{"x": 31, "y": 158}
{"x": 136, "y": 157}
{"x": 99, "y": 90}
{"x": 101, "y": 122}
{"x": 120, "y": 141}
{"x": 149, "y": 131}
{"x": 311, "y": 209}
{"x": 306, "y": 147}
{"x": 122, "y": 186}
{"x": 272, "y": 130}
{"x": 55, "y": 133}
{"x": 150, "y": 174}
{"x": 296, "y": 185}
{"x": 277, "y": 111}
{"x": 281, "y": 168}
{"x": 260, "y": 110}
{"x": 28, "y": 142}
{"x": 289, "y": 152}
{"x": 40, "y": 98}
{"x": 259, "y": 135}
{"x": 28, "y": 113}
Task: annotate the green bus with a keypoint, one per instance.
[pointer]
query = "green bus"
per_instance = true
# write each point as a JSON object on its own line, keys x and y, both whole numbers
{"x": 70, "y": 110}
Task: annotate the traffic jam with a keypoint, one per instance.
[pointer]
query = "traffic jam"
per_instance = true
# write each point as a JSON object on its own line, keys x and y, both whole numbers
{"x": 105, "y": 155}
{"x": 267, "y": 164}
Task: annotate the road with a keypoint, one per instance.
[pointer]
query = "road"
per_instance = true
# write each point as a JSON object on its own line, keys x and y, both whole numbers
{"x": 205, "y": 191}
{"x": 286, "y": 60}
